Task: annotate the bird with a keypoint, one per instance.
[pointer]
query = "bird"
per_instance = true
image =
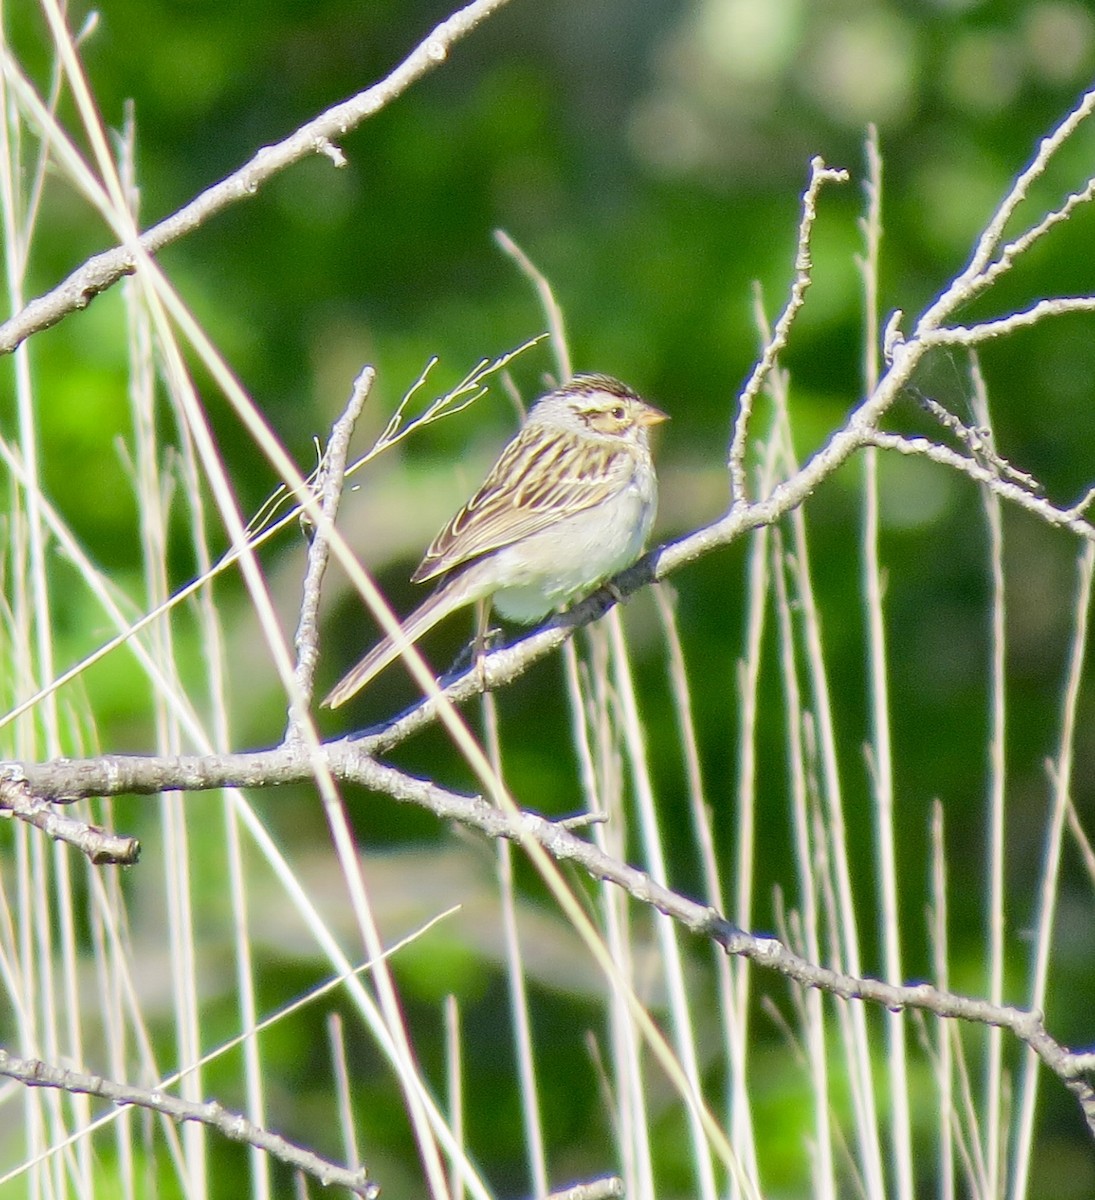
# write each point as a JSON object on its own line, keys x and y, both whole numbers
{"x": 568, "y": 504}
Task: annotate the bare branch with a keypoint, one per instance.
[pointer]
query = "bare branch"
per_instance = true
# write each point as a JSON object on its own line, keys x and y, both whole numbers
{"x": 35, "y": 1073}
{"x": 593, "y": 1189}
{"x": 328, "y": 487}
{"x": 982, "y": 271}
{"x": 1066, "y": 518}
{"x": 288, "y": 764}
{"x": 316, "y": 137}
{"x": 100, "y": 847}
{"x": 972, "y": 335}
{"x": 820, "y": 175}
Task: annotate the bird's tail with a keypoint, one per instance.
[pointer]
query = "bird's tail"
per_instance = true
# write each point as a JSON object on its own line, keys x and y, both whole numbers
{"x": 432, "y": 610}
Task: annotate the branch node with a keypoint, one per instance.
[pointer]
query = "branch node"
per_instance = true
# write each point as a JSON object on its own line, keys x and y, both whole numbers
{"x": 328, "y": 149}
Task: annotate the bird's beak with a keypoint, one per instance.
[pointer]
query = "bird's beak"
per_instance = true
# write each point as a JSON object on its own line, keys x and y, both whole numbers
{"x": 649, "y": 415}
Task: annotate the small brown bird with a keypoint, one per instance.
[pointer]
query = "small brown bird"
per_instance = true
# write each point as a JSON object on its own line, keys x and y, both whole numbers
{"x": 568, "y": 504}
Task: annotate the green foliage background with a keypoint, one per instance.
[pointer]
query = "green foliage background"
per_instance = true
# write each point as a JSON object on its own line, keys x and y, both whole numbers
{"x": 649, "y": 158}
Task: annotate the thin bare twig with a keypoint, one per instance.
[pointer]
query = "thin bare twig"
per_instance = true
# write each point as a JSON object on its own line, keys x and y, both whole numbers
{"x": 328, "y": 487}
{"x": 593, "y": 1189}
{"x": 982, "y": 271}
{"x": 34, "y": 1073}
{"x": 1065, "y": 518}
{"x": 820, "y": 175}
{"x": 984, "y": 331}
{"x": 100, "y": 847}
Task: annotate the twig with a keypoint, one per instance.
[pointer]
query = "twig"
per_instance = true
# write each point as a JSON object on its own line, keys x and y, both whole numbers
{"x": 1066, "y": 518}
{"x": 820, "y": 174}
{"x": 593, "y": 1189}
{"x": 316, "y": 137}
{"x": 977, "y": 440}
{"x": 97, "y": 845}
{"x": 328, "y": 487}
{"x": 973, "y": 335}
{"x": 34, "y": 1073}
{"x": 981, "y": 271}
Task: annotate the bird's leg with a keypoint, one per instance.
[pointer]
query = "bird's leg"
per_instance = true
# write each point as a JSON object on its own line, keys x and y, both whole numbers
{"x": 482, "y": 638}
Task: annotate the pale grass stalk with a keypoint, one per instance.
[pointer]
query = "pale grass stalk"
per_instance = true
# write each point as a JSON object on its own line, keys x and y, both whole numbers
{"x": 1082, "y": 842}
{"x": 649, "y": 836}
{"x": 881, "y": 747}
{"x": 184, "y": 987}
{"x": 821, "y": 861}
{"x": 971, "y": 1145}
{"x": 454, "y": 1091}
{"x": 150, "y": 496}
{"x": 748, "y": 678}
{"x": 845, "y": 948}
{"x": 581, "y": 719}
{"x": 41, "y": 997}
{"x": 253, "y": 1074}
{"x": 345, "y": 1105}
{"x": 733, "y": 1016}
{"x": 811, "y": 1006}
{"x": 1061, "y": 778}
{"x": 630, "y": 1118}
{"x": 748, "y": 681}
{"x": 515, "y": 978}
{"x": 552, "y": 309}
{"x": 996, "y": 917}
{"x": 940, "y": 949}
{"x": 109, "y": 969}
{"x": 592, "y": 736}
{"x": 779, "y": 457}
{"x": 212, "y": 639}
{"x": 168, "y": 736}
{"x": 585, "y": 729}
{"x": 826, "y": 886}
{"x": 70, "y": 1017}
{"x": 55, "y": 1027}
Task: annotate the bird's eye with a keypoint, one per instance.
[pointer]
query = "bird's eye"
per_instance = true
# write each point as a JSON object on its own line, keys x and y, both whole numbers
{"x": 618, "y": 412}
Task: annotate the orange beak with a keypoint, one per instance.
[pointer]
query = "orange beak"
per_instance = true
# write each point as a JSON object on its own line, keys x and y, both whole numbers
{"x": 649, "y": 415}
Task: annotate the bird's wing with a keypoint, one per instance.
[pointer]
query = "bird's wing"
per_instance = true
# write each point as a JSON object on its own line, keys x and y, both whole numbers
{"x": 542, "y": 477}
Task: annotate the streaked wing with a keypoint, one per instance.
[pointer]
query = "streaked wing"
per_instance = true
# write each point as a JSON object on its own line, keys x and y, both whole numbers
{"x": 541, "y": 477}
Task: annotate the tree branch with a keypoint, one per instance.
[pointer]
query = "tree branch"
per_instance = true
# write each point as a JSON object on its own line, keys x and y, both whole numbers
{"x": 328, "y": 487}
{"x": 104, "y": 270}
{"x": 99, "y": 846}
{"x": 289, "y": 763}
{"x": 34, "y": 1073}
